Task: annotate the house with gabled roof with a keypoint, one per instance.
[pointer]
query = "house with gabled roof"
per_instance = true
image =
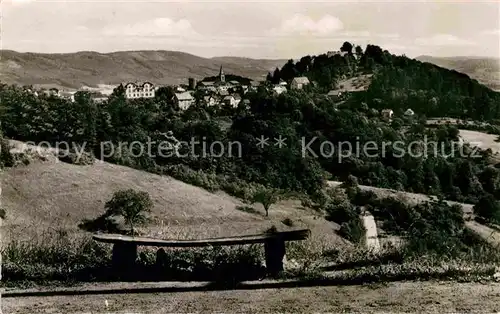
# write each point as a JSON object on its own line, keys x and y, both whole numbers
{"x": 184, "y": 100}
{"x": 139, "y": 90}
{"x": 299, "y": 82}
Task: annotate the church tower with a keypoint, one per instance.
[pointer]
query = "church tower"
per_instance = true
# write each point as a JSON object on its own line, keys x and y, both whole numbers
{"x": 222, "y": 77}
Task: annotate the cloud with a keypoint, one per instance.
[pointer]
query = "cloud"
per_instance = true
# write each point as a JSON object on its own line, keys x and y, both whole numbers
{"x": 82, "y": 28}
{"x": 160, "y": 27}
{"x": 388, "y": 35}
{"x": 494, "y": 32}
{"x": 304, "y": 25}
{"x": 19, "y": 2}
{"x": 443, "y": 40}
{"x": 356, "y": 34}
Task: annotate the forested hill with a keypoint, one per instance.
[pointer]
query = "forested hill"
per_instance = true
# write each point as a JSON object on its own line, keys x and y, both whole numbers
{"x": 398, "y": 83}
{"x": 485, "y": 69}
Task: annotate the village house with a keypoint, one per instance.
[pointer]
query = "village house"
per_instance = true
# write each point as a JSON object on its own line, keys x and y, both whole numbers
{"x": 237, "y": 99}
{"x": 210, "y": 101}
{"x": 299, "y": 82}
{"x": 205, "y": 85}
{"x": 279, "y": 89}
{"x": 52, "y": 92}
{"x": 223, "y": 93}
{"x": 387, "y": 113}
{"x": 409, "y": 112}
{"x": 254, "y": 85}
{"x": 184, "y": 100}
{"x": 68, "y": 95}
{"x": 335, "y": 94}
{"x": 139, "y": 90}
{"x": 230, "y": 101}
{"x": 98, "y": 97}
{"x": 222, "y": 88}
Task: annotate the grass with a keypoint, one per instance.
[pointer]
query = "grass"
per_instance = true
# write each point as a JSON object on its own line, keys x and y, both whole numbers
{"x": 58, "y": 258}
{"x": 36, "y": 256}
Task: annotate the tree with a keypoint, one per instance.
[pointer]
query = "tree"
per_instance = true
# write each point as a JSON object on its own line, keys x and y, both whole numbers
{"x": 347, "y": 47}
{"x": 131, "y": 204}
{"x": 266, "y": 198}
{"x": 359, "y": 52}
{"x": 488, "y": 208}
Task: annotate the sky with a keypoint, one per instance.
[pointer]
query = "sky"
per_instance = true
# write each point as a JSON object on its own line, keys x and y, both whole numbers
{"x": 256, "y": 29}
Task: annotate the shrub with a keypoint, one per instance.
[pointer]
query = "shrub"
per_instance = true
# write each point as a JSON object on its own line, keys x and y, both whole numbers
{"x": 341, "y": 212}
{"x": 353, "y": 230}
{"x": 350, "y": 182}
{"x": 130, "y": 204}
{"x": 362, "y": 198}
{"x": 488, "y": 208}
{"x": 103, "y": 223}
{"x": 76, "y": 158}
{"x": 6, "y": 157}
{"x": 287, "y": 222}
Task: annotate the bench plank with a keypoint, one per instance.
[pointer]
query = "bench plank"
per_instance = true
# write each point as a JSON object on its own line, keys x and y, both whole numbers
{"x": 293, "y": 235}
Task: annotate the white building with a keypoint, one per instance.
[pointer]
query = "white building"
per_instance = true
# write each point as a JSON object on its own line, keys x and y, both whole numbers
{"x": 387, "y": 113}
{"x": 278, "y": 89}
{"x": 185, "y": 100}
{"x": 137, "y": 90}
{"x": 299, "y": 82}
{"x": 232, "y": 101}
{"x": 210, "y": 101}
{"x": 409, "y": 112}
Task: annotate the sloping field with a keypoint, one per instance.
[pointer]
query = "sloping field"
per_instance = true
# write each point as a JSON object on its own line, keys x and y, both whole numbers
{"x": 52, "y": 195}
{"x": 481, "y": 140}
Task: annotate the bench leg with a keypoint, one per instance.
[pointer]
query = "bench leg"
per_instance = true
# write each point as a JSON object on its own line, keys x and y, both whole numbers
{"x": 275, "y": 251}
{"x": 124, "y": 256}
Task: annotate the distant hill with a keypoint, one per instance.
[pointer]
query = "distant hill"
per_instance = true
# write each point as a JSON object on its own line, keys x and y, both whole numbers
{"x": 485, "y": 70}
{"x": 88, "y": 68}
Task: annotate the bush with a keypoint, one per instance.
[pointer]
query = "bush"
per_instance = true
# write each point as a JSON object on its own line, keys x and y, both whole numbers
{"x": 131, "y": 204}
{"x": 287, "y": 222}
{"x": 103, "y": 223}
{"x": 76, "y": 158}
{"x": 353, "y": 230}
{"x": 6, "y": 158}
{"x": 488, "y": 208}
{"x": 362, "y": 198}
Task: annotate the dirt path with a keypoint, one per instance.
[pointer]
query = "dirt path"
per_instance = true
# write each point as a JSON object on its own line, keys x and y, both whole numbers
{"x": 426, "y": 297}
{"x": 371, "y": 233}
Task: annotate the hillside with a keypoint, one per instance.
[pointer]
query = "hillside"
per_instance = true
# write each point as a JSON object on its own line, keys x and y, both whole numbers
{"x": 88, "y": 68}
{"x": 50, "y": 195}
{"x": 485, "y": 70}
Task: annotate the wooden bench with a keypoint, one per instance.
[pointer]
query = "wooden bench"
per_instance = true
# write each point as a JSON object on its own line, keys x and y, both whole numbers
{"x": 125, "y": 247}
